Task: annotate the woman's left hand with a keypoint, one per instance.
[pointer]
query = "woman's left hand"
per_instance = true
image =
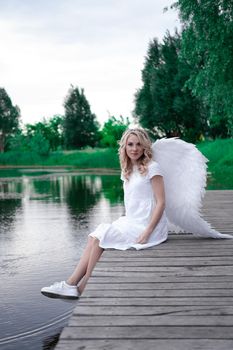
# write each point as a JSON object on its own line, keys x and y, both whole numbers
{"x": 143, "y": 238}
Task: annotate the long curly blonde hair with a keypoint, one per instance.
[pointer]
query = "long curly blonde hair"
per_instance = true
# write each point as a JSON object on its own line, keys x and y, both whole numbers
{"x": 143, "y": 161}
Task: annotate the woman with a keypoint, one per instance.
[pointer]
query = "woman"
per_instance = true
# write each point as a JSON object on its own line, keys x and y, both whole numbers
{"x": 179, "y": 174}
{"x": 144, "y": 224}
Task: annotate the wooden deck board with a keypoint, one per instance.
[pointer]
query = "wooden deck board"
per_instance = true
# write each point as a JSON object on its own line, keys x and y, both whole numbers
{"x": 178, "y": 295}
{"x": 147, "y": 332}
{"x": 140, "y": 344}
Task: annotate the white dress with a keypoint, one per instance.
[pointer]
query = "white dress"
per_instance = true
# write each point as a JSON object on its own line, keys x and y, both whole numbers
{"x": 139, "y": 201}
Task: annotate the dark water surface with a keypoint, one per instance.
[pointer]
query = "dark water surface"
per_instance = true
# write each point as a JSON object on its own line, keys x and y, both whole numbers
{"x": 44, "y": 222}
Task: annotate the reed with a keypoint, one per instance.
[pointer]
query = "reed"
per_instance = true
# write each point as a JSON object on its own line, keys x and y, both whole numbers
{"x": 88, "y": 158}
{"x": 220, "y": 155}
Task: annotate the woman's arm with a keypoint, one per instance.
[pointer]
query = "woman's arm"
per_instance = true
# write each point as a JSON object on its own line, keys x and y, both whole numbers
{"x": 159, "y": 193}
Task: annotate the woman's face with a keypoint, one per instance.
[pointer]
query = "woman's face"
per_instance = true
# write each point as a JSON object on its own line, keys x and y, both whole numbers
{"x": 134, "y": 149}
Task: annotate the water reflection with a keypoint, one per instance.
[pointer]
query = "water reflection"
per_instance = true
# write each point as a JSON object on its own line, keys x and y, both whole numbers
{"x": 82, "y": 193}
{"x": 112, "y": 189}
{"x": 44, "y": 223}
{"x": 10, "y": 189}
{"x": 8, "y": 210}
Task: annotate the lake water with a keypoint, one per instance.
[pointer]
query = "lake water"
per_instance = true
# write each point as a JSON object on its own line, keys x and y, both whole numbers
{"x": 45, "y": 219}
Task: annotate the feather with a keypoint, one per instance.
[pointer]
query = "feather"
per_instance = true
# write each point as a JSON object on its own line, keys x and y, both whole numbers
{"x": 184, "y": 171}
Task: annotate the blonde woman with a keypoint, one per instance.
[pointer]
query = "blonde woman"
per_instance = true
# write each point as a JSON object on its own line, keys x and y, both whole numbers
{"x": 144, "y": 224}
{"x": 169, "y": 168}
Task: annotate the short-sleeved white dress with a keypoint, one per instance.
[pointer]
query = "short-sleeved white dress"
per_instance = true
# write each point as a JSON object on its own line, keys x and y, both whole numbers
{"x": 139, "y": 201}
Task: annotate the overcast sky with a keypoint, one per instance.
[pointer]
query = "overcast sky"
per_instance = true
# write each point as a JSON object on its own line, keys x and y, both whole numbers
{"x": 98, "y": 45}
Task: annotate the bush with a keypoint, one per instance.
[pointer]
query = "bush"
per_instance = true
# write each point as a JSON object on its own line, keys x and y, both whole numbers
{"x": 220, "y": 165}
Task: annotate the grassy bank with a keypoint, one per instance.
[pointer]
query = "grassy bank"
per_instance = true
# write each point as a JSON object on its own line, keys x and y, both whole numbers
{"x": 220, "y": 165}
{"x": 89, "y": 158}
{"x": 219, "y": 153}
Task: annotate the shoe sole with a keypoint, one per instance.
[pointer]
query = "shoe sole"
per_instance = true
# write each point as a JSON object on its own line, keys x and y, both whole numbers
{"x": 58, "y": 296}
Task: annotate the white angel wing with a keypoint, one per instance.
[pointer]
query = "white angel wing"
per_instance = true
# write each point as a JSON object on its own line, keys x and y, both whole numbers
{"x": 184, "y": 169}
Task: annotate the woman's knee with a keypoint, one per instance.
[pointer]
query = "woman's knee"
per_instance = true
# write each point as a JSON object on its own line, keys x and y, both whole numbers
{"x": 94, "y": 241}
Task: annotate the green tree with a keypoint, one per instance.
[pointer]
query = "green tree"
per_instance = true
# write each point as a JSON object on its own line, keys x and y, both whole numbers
{"x": 18, "y": 142}
{"x": 30, "y": 142}
{"x": 144, "y": 99}
{"x": 56, "y": 137}
{"x": 80, "y": 125}
{"x": 39, "y": 144}
{"x": 51, "y": 130}
{"x": 9, "y": 118}
{"x": 207, "y": 46}
{"x": 163, "y": 105}
{"x": 112, "y": 131}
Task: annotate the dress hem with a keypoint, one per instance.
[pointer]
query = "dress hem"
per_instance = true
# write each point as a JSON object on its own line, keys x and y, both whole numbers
{"x": 126, "y": 247}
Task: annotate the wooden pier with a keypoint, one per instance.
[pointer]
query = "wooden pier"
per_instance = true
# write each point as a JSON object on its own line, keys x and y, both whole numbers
{"x": 178, "y": 295}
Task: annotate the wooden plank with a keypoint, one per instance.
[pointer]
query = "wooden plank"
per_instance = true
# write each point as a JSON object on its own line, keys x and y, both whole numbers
{"x": 110, "y": 278}
{"x": 181, "y": 272}
{"x": 157, "y": 270}
{"x": 148, "y": 332}
{"x": 146, "y": 344}
{"x": 181, "y": 301}
{"x": 160, "y": 286}
{"x": 153, "y": 293}
{"x": 166, "y": 261}
{"x": 148, "y": 320}
{"x": 200, "y": 252}
{"x": 165, "y": 267}
{"x": 137, "y": 310}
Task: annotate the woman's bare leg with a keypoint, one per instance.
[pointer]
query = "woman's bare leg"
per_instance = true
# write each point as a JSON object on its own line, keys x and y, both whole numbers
{"x": 96, "y": 253}
{"x": 81, "y": 269}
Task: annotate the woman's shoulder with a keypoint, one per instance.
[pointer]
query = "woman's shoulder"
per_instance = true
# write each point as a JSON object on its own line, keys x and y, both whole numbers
{"x": 154, "y": 169}
{"x": 152, "y": 163}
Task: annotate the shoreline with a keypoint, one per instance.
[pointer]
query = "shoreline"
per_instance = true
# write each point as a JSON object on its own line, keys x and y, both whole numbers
{"x": 57, "y": 167}
{"x": 55, "y": 171}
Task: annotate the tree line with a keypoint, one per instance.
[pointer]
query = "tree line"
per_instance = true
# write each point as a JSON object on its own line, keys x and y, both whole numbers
{"x": 187, "y": 90}
{"x": 78, "y": 127}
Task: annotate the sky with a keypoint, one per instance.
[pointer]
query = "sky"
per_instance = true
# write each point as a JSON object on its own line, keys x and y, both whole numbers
{"x": 97, "y": 45}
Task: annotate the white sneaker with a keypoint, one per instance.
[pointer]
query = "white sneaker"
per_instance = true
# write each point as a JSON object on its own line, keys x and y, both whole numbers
{"x": 61, "y": 290}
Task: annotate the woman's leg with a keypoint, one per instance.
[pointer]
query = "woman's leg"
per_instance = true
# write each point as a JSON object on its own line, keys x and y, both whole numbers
{"x": 95, "y": 254}
{"x": 88, "y": 260}
{"x": 88, "y": 254}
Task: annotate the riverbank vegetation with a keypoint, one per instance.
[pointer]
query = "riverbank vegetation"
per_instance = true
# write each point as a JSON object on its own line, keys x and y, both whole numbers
{"x": 219, "y": 153}
{"x": 220, "y": 165}
{"x": 86, "y": 158}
